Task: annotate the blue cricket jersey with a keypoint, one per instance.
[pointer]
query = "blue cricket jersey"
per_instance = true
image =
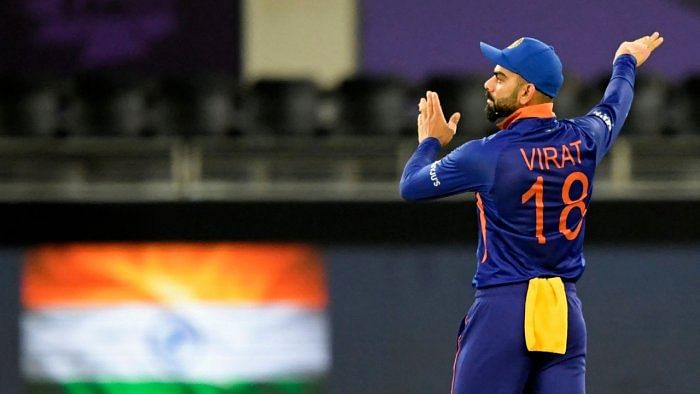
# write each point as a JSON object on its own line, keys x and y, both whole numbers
{"x": 533, "y": 182}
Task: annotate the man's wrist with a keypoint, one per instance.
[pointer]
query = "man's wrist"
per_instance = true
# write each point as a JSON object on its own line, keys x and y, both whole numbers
{"x": 430, "y": 140}
{"x": 623, "y": 57}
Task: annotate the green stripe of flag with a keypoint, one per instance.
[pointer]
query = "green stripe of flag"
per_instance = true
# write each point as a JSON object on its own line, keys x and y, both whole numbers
{"x": 175, "y": 388}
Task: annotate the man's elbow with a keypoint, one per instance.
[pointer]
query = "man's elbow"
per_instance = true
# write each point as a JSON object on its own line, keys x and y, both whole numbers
{"x": 406, "y": 196}
{"x": 407, "y": 192}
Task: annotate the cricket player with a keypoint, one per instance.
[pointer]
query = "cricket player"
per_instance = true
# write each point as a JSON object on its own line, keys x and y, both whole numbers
{"x": 533, "y": 181}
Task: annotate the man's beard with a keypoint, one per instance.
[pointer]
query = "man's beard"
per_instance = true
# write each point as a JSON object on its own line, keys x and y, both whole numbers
{"x": 500, "y": 109}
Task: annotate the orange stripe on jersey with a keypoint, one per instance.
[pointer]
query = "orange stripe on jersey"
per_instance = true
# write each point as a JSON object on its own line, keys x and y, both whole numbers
{"x": 482, "y": 222}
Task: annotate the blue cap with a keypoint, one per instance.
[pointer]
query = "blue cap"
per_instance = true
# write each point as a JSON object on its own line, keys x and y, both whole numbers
{"x": 533, "y": 60}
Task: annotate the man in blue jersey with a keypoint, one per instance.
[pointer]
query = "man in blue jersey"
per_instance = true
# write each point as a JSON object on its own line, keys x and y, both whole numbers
{"x": 533, "y": 181}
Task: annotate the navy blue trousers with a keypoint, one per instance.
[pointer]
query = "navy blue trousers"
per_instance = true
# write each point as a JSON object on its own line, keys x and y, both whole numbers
{"x": 492, "y": 357}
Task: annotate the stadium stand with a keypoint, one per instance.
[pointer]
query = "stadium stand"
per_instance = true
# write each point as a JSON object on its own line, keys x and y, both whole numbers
{"x": 106, "y": 136}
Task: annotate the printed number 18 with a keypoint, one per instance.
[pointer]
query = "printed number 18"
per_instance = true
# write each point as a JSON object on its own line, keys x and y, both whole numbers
{"x": 537, "y": 191}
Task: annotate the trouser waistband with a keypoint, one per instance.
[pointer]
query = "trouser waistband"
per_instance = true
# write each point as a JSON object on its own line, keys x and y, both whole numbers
{"x": 516, "y": 289}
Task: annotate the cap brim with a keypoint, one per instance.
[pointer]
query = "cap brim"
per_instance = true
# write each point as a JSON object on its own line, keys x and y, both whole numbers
{"x": 495, "y": 55}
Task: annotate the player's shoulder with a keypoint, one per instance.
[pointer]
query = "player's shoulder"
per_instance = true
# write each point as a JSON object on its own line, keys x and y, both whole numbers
{"x": 479, "y": 149}
{"x": 592, "y": 121}
{"x": 495, "y": 140}
{"x": 491, "y": 143}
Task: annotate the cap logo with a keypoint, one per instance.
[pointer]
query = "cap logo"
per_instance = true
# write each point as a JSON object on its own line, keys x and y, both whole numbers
{"x": 516, "y": 43}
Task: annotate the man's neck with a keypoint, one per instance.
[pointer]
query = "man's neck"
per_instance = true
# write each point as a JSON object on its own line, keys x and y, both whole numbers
{"x": 544, "y": 110}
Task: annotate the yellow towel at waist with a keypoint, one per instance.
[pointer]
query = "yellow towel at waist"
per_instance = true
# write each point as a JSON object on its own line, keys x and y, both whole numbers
{"x": 546, "y": 316}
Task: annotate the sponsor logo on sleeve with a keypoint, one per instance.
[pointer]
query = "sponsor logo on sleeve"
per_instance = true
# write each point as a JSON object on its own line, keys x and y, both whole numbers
{"x": 605, "y": 118}
{"x": 433, "y": 174}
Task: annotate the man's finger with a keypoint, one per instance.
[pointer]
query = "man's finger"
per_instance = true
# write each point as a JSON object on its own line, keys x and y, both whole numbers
{"x": 641, "y": 40}
{"x": 652, "y": 41}
{"x": 437, "y": 109}
{"x": 656, "y": 43}
{"x": 454, "y": 119}
{"x": 428, "y": 105}
{"x": 421, "y": 107}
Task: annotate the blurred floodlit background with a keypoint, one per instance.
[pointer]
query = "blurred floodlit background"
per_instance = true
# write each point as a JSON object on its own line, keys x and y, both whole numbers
{"x": 202, "y": 195}
{"x": 307, "y": 100}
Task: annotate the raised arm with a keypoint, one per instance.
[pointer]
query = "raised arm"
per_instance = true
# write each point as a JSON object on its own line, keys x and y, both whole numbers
{"x": 605, "y": 120}
{"x": 433, "y": 132}
{"x": 466, "y": 168}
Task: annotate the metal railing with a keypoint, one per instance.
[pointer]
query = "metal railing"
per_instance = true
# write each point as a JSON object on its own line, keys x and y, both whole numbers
{"x": 338, "y": 168}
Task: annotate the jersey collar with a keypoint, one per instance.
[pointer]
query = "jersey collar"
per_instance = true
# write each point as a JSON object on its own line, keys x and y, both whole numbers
{"x": 531, "y": 111}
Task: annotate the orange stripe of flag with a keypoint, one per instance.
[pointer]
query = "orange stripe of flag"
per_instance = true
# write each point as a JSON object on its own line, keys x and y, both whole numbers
{"x": 92, "y": 274}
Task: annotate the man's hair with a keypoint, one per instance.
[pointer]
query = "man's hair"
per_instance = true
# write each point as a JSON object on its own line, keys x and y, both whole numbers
{"x": 539, "y": 97}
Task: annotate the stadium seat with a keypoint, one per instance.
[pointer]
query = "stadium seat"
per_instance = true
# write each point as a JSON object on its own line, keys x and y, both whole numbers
{"x": 648, "y": 116}
{"x": 218, "y": 106}
{"x": 375, "y": 106}
{"x": 112, "y": 105}
{"x": 690, "y": 92}
{"x": 198, "y": 105}
{"x": 570, "y": 102}
{"x": 30, "y": 106}
{"x": 283, "y": 107}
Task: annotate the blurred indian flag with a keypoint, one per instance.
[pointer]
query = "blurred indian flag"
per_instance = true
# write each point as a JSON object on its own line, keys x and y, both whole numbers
{"x": 174, "y": 318}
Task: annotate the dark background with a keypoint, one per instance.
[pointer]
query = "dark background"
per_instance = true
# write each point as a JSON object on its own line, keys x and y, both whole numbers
{"x": 453, "y": 222}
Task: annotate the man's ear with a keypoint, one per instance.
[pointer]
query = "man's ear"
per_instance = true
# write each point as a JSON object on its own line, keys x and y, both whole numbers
{"x": 527, "y": 93}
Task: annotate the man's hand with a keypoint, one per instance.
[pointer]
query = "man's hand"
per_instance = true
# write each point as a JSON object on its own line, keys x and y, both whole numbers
{"x": 640, "y": 48}
{"x": 431, "y": 121}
